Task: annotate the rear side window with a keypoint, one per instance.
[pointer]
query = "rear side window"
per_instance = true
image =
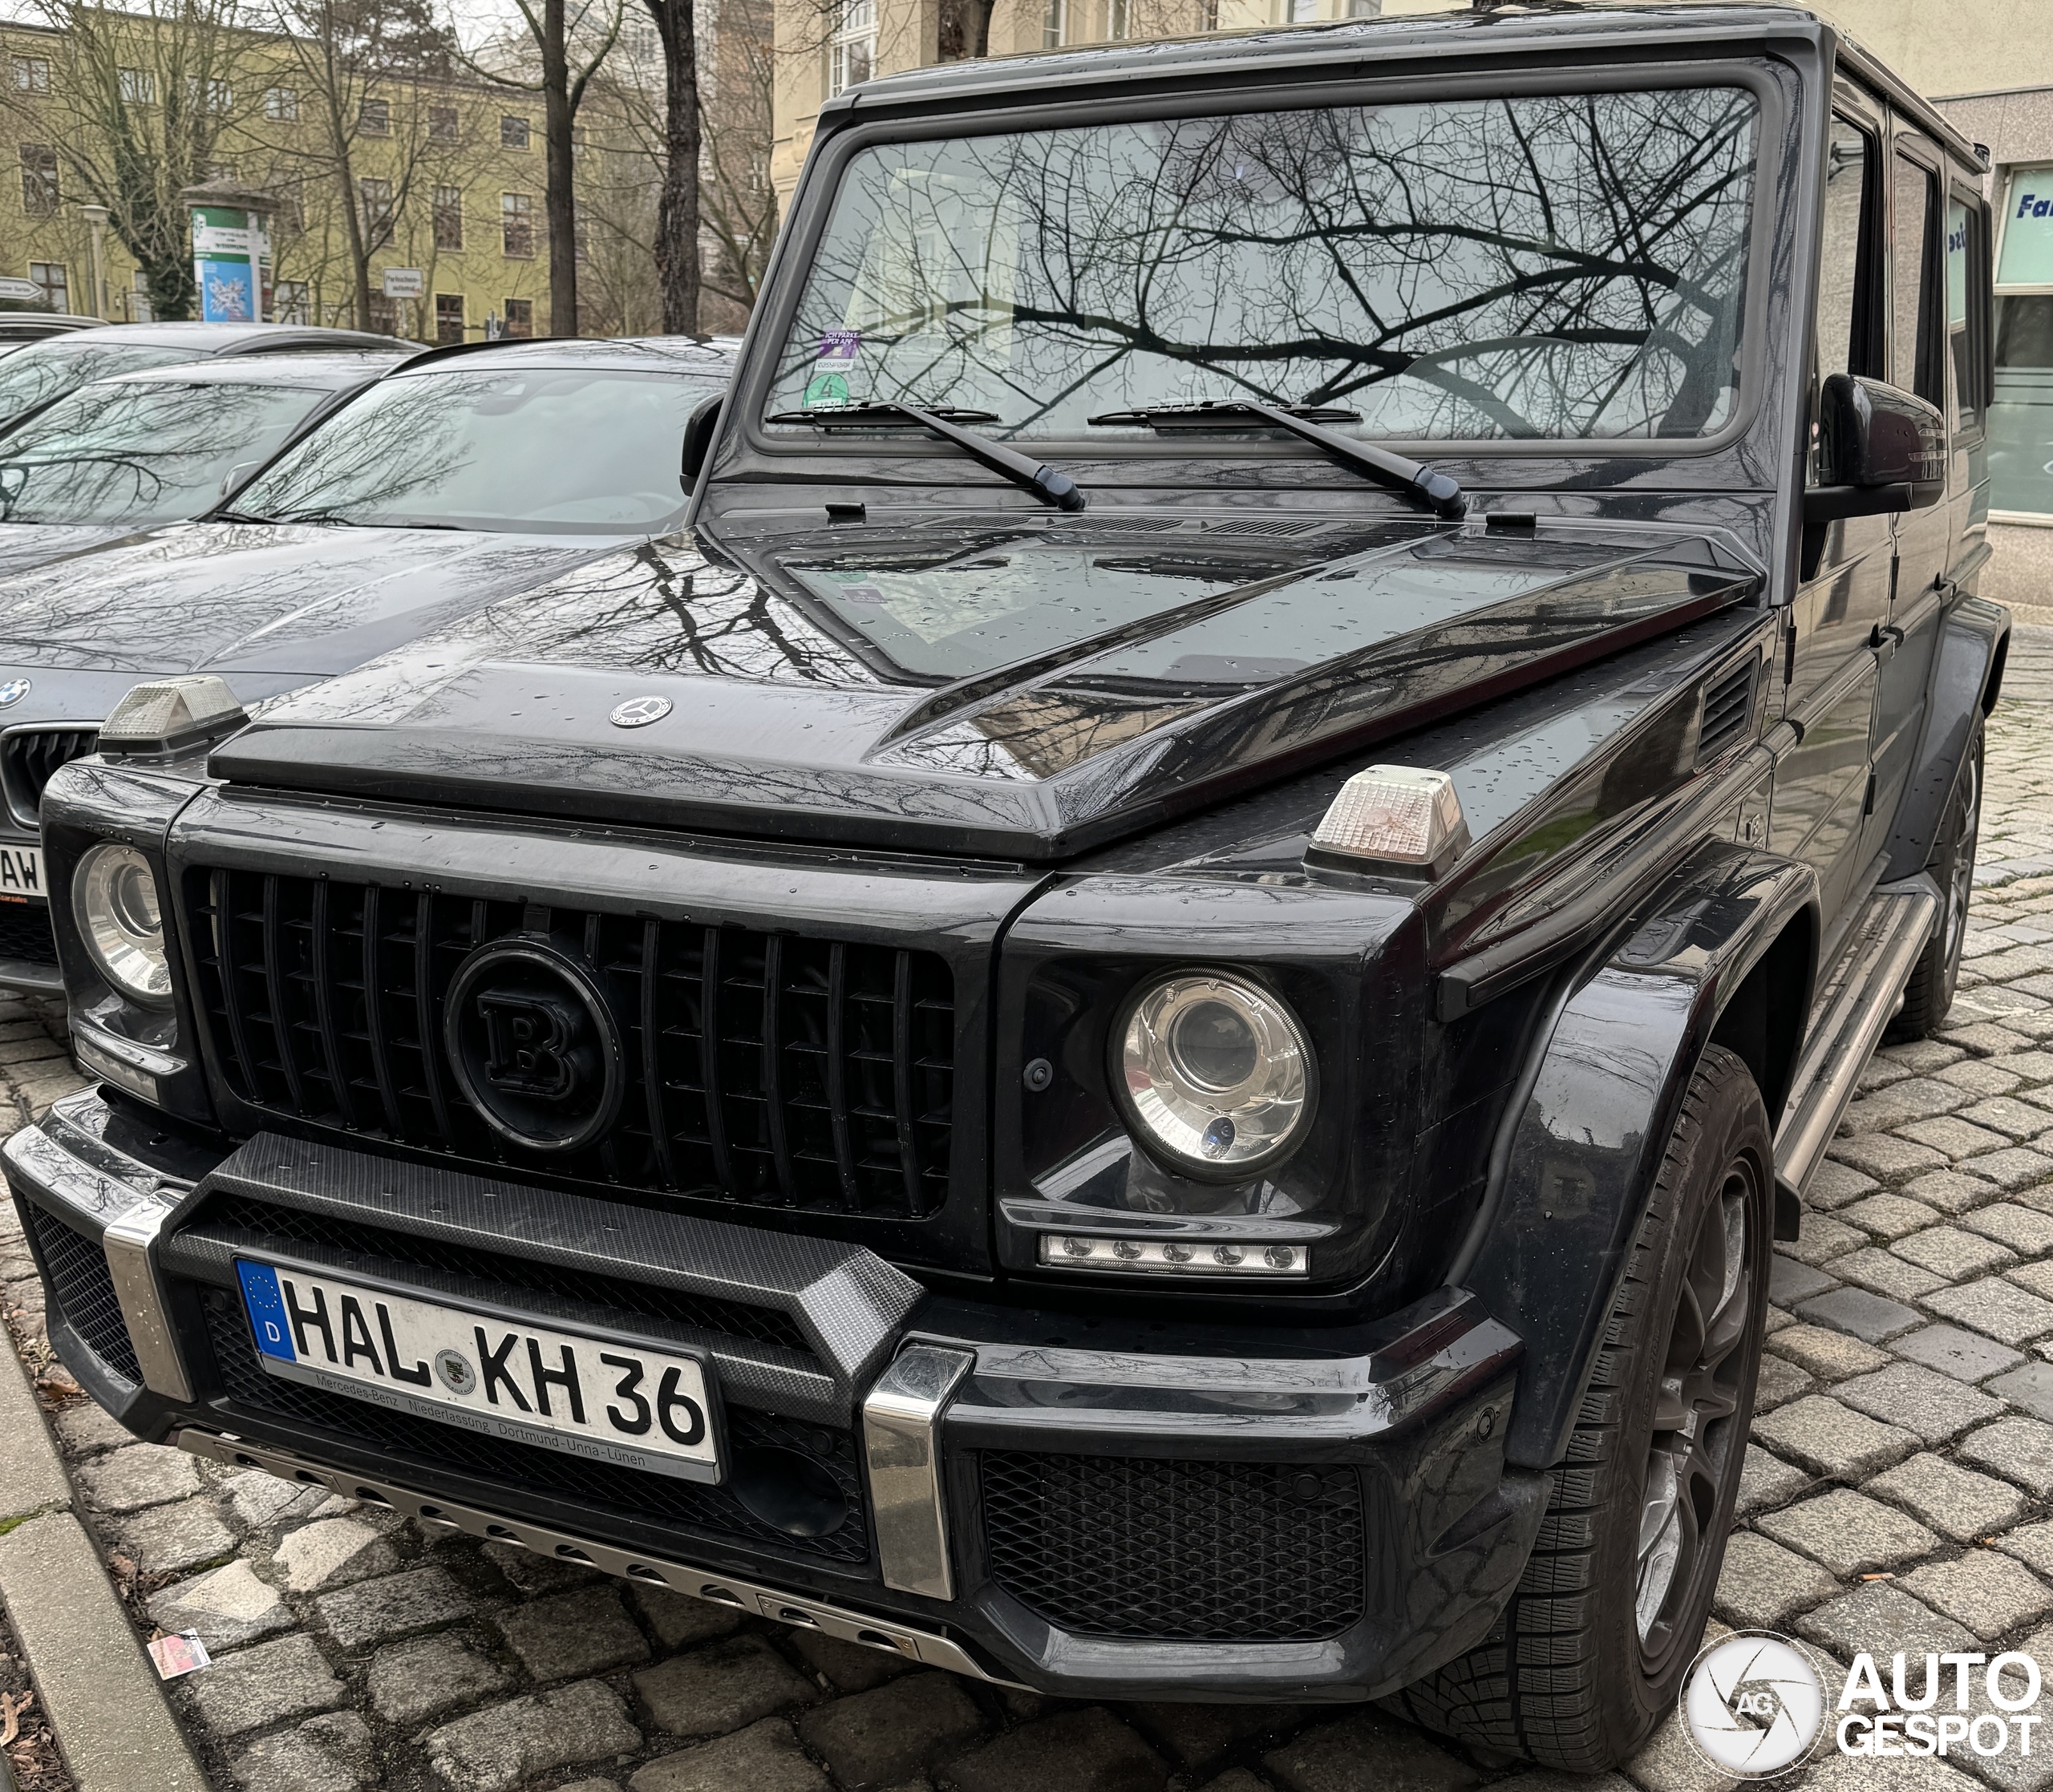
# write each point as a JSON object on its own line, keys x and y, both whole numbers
{"x": 1967, "y": 288}
{"x": 1913, "y": 365}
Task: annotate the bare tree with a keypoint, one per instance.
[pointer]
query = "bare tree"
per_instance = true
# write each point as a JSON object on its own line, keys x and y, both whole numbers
{"x": 356, "y": 70}
{"x": 677, "y": 211}
{"x": 569, "y": 42}
{"x": 146, "y": 98}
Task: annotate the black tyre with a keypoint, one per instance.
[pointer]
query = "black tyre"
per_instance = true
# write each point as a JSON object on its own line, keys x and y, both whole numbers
{"x": 1930, "y": 992}
{"x": 1590, "y": 1653}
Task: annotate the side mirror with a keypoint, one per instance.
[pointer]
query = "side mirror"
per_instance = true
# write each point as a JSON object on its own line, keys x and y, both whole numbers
{"x": 1881, "y": 449}
{"x": 700, "y": 428}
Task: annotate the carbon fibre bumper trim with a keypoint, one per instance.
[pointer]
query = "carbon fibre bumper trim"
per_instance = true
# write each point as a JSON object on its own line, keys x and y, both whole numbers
{"x": 798, "y": 1610}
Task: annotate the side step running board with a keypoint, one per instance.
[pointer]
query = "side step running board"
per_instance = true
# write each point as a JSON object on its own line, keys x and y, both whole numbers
{"x": 1859, "y": 997}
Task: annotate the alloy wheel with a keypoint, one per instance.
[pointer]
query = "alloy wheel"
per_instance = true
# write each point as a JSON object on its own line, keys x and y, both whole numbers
{"x": 1688, "y": 1455}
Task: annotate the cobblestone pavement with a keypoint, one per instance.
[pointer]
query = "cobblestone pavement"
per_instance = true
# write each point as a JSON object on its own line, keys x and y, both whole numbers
{"x": 1898, "y": 1495}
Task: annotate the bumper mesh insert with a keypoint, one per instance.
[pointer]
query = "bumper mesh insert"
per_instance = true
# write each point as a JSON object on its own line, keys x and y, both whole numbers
{"x": 24, "y": 933}
{"x": 534, "y": 1469}
{"x": 84, "y": 1293}
{"x": 1191, "y": 1551}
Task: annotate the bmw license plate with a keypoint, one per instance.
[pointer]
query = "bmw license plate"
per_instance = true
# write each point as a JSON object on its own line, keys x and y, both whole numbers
{"x": 20, "y": 872}
{"x": 612, "y": 1402}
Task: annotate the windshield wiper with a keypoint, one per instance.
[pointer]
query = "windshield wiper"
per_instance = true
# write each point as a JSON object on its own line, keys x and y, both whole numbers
{"x": 1439, "y": 491}
{"x": 239, "y": 516}
{"x": 1050, "y": 484}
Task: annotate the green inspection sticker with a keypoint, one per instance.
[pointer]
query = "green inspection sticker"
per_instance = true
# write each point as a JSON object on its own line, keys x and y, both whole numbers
{"x": 826, "y": 389}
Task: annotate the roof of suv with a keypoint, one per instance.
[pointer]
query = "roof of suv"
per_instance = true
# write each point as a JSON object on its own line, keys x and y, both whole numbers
{"x": 1371, "y": 46}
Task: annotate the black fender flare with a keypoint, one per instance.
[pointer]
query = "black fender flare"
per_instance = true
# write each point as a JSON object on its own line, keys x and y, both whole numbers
{"x": 1967, "y": 675}
{"x": 1589, "y": 1121}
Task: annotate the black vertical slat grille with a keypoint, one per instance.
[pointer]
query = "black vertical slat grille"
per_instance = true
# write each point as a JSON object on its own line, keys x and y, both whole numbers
{"x": 30, "y": 758}
{"x": 762, "y": 1068}
{"x": 83, "y": 1289}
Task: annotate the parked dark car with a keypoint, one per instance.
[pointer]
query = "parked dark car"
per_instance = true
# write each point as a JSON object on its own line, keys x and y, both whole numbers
{"x": 139, "y": 450}
{"x": 21, "y": 327}
{"x": 42, "y": 372}
{"x": 1137, "y": 1024}
{"x": 462, "y": 475}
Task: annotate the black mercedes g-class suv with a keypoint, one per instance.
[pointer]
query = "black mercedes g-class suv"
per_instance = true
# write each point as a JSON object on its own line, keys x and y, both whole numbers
{"x": 1137, "y": 1024}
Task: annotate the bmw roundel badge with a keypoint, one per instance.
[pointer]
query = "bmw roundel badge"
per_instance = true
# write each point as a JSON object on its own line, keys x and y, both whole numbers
{"x": 16, "y": 689}
{"x": 637, "y": 712}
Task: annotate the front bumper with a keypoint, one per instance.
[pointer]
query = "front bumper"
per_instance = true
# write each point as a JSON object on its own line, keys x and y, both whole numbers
{"x": 1055, "y": 1503}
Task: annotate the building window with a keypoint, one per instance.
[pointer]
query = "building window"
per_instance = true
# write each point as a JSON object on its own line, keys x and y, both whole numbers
{"x": 384, "y": 314}
{"x": 512, "y": 133}
{"x": 209, "y": 96}
{"x": 1055, "y": 25}
{"x": 449, "y": 316}
{"x": 220, "y": 171}
{"x": 517, "y": 225}
{"x": 137, "y": 86}
{"x": 56, "y": 284}
{"x": 374, "y": 118}
{"x": 441, "y": 124}
{"x": 138, "y": 301}
{"x": 448, "y": 217}
{"x": 1297, "y": 12}
{"x": 39, "y": 194}
{"x": 853, "y": 55}
{"x": 1118, "y": 19}
{"x": 520, "y": 318}
{"x": 29, "y": 74}
{"x": 2018, "y": 482}
{"x": 376, "y": 197}
{"x": 281, "y": 105}
{"x": 289, "y": 303}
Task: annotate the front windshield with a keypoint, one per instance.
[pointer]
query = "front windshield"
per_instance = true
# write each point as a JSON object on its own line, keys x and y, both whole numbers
{"x": 540, "y": 450}
{"x": 41, "y": 371}
{"x": 1571, "y": 266}
{"x": 143, "y": 453}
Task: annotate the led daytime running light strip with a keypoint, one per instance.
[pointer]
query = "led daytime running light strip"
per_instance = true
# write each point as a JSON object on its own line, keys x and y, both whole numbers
{"x": 1174, "y": 1256}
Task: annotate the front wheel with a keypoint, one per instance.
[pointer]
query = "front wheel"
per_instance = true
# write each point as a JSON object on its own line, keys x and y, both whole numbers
{"x": 1930, "y": 992}
{"x": 1589, "y": 1654}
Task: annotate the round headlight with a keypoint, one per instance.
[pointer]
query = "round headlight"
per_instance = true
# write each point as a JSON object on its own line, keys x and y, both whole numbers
{"x": 114, "y": 897}
{"x": 1217, "y": 1073}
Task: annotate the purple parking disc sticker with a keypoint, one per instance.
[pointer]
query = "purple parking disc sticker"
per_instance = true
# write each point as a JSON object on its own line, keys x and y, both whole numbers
{"x": 841, "y": 344}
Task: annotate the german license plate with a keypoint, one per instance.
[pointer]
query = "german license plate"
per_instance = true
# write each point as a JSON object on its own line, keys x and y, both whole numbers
{"x": 21, "y": 872}
{"x": 612, "y": 1402}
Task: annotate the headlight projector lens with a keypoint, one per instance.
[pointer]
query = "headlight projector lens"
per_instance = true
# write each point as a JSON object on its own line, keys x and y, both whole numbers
{"x": 114, "y": 896}
{"x": 1217, "y": 1074}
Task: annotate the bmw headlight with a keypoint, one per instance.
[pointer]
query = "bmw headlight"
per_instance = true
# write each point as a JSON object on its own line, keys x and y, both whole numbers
{"x": 114, "y": 899}
{"x": 1217, "y": 1073}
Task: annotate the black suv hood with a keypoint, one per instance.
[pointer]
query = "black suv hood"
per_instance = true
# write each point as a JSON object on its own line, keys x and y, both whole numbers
{"x": 1021, "y": 691}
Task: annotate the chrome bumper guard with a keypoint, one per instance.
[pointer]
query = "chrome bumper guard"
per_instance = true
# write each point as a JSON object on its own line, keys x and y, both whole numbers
{"x": 437, "y": 1514}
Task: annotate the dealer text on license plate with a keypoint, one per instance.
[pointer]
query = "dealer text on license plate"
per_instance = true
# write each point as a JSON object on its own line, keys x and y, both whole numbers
{"x": 611, "y": 1402}
{"x": 20, "y": 872}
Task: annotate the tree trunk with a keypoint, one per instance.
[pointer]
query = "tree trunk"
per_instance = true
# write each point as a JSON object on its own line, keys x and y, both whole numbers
{"x": 677, "y": 213}
{"x": 562, "y": 201}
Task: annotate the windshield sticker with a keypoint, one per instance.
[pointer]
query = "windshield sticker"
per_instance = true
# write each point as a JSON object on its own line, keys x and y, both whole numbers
{"x": 841, "y": 344}
{"x": 826, "y": 389}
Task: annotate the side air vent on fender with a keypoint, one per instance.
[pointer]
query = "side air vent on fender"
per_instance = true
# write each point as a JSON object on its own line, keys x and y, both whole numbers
{"x": 1728, "y": 707}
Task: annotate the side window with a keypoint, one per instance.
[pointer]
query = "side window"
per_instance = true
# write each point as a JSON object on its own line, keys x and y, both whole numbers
{"x": 1846, "y": 331}
{"x": 1912, "y": 364}
{"x": 1967, "y": 308}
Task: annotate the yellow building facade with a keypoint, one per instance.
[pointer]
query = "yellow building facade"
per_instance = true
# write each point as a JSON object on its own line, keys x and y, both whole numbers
{"x": 446, "y": 178}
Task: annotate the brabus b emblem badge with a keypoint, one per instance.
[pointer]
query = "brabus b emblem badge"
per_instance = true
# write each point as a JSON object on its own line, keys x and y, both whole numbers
{"x": 12, "y": 692}
{"x": 534, "y": 1046}
{"x": 639, "y": 712}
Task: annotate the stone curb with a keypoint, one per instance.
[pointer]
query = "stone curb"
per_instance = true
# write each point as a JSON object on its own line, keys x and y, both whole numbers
{"x": 95, "y": 1684}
